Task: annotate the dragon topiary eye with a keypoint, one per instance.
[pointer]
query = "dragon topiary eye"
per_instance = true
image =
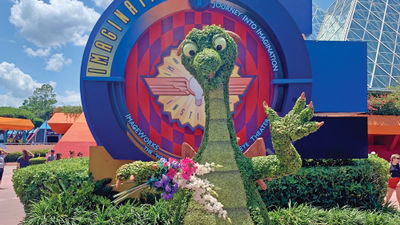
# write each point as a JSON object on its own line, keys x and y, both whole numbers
{"x": 189, "y": 49}
{"x": 220, "y": 43}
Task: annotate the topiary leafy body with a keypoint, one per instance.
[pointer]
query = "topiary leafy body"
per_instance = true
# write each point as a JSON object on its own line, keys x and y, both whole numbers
{"x": 209, "y": 55}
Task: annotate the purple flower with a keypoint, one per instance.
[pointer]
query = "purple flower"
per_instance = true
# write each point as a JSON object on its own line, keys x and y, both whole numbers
{"x": 168, "y": 188}
{"x": 158, "y": 184}
{"x": 165, "y": 179}
{"x": 167, "y": 196}
{"x": 163, "y": 160}
{"x": 174, "y": 188}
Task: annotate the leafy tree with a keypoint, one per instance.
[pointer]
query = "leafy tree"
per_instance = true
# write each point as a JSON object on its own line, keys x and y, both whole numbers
{"x": 41, "y": 103}
{"x": 71, "y": 111}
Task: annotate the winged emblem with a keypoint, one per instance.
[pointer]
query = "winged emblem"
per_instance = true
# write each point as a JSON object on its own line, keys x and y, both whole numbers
{"x": 182, "y": 96}
{"x": 180, "y": 86}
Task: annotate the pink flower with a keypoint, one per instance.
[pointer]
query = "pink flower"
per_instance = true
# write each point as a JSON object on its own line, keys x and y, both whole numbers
{"x": 186, "y": 175}
{"x": 171, "y": 172}
{"x": 188, "y": 166}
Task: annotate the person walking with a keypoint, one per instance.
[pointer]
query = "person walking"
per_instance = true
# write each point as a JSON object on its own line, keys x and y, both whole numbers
{"x": 3, "y": 156}
{"x": 51, "y": 157}
{"x": 23, "y": 160}
{"x": 394, "y": 179}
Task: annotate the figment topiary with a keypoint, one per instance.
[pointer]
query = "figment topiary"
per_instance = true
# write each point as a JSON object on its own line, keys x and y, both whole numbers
{"x": 209, "y": 55}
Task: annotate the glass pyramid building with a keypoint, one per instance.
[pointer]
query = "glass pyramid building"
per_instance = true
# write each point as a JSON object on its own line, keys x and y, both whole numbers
{"x": 318, "y": 16}
{"x": 376, "y": 22}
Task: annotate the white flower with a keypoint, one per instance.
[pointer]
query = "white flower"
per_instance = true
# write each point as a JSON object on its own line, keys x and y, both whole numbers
{"x": 203, "y": 190}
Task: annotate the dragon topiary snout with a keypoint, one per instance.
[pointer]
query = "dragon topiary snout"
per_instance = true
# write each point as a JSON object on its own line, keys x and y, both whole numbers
{"x": 207, "y": 62}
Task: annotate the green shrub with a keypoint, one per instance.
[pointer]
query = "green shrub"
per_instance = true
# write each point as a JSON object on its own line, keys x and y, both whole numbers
{"x": 12, "y": 157}
{"x": 15, "y": 113}
{"x": 37, "y": 160}
{"x": 37, "y": 122}
{"x": 31, "y": 183}
{"x": 361, "y": 185}
{"x": 305, "y": 215}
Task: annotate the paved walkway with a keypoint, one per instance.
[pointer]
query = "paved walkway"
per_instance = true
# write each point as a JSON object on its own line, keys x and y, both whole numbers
{"x": 11, "y": 209}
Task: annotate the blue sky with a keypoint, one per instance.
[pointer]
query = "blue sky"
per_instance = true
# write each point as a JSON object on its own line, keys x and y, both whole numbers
{"x": 324, "y": 4}
{"x": 42, "y": 41}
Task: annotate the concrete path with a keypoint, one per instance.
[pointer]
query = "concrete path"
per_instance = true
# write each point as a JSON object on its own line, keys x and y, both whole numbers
{"x": 11, "y": 209}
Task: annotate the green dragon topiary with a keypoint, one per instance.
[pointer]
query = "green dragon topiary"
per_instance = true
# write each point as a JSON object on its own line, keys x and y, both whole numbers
{"x": 209, "y": 55}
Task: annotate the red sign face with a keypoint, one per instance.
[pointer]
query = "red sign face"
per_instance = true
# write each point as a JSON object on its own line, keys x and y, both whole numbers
{"x": 167, "y": 102}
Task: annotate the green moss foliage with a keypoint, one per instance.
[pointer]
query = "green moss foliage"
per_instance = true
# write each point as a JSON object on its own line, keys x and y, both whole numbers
{"x": 142, "y": 171}
{"x": 207, "y": 58}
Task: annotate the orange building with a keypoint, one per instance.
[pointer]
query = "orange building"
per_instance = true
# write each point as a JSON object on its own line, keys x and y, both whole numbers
{"x": 77, "y": 136}
{"x": 384, "y": 135}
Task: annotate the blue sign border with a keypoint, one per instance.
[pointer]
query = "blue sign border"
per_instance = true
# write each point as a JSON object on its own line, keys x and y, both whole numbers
{"x": 103, "y": 98}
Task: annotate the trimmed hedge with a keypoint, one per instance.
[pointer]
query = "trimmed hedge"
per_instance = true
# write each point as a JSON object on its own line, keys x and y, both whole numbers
{"x": 12, "y": 157}
{"x": 362, "y": 185}
{"x": 37, "y": 160}
{"x": 33, "y": 182}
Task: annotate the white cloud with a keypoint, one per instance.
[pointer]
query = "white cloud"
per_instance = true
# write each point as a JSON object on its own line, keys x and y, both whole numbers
{"x": 53, "y": 84}
{"x": 55, "y": 23}
{"x": 56, "y": 62}
{"x": 102, "y": 3}
{"x": 17, "y": 83}
{"x": 41, "y": 52}
{"x": 9, "y": 100}
{"x": 70, "y": 98}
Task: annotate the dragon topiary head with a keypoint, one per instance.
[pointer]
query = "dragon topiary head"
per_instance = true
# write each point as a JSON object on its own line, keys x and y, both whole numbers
{"x": 209, "y": 55}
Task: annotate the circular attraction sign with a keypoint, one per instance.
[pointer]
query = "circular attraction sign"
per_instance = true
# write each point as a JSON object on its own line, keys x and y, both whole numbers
{"x": 139, "y": 100}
